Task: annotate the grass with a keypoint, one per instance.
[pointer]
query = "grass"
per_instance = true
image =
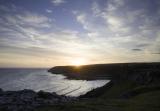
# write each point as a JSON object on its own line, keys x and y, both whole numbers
{"x": 147, "y": 100}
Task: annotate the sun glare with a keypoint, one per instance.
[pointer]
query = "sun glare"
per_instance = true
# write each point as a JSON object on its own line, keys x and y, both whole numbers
{"x": 79, "y": 62}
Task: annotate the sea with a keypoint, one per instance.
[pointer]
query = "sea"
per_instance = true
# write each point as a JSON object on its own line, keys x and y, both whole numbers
{"x": 14, "y": 79}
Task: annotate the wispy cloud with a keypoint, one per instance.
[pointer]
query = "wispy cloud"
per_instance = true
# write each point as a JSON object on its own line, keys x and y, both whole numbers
{"x": 121, "y": 28}
{"x": 49, "y": 11}
{"x": 21, "y": 33}
{"x": 58, "y": 2}
{"x": 22, "y": 29}
{"x": 137, "y": 49}
{"x": 108, "y": 31}
{"x": 33, "y": 19}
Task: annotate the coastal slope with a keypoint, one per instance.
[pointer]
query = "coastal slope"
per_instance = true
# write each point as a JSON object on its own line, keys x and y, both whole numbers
{"x": 133, "y": 87}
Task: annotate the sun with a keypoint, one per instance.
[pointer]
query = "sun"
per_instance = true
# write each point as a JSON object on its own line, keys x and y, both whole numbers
{"x": 78, "y": 62}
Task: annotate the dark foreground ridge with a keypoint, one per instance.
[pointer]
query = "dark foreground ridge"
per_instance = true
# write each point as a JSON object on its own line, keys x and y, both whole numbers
{"x": 28, "y": 100}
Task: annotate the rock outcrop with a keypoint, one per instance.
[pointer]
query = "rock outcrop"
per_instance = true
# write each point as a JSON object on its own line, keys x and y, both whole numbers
{"x": 27, "y": 100}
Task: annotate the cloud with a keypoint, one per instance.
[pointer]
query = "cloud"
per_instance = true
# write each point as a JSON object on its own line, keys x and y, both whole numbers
{"x": 95, "y": 8}
{"x": 112, "y": 32}
{"x": 33, "y": 19}
{"x": 113, "y": 5}
{"x": 48, "y": 11}
{"x": 117, "y": 27}
{"x": 136, "y": 49}
{"x": 81, "y": 18}
{"x": 143, "y": 45}
{"x": 58, "y": 2}
{"x": 3, "y": 8}
{"x": 21, "y": 33}
{"x": 156, "y": 53}
{"x": 22, "y": 28}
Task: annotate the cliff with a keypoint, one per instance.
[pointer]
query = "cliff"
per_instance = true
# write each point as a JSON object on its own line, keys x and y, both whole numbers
{"x": 142, "y": 73}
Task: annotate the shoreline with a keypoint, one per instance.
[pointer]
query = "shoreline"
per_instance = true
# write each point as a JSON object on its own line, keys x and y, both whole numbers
{"x": 29, "y": 100}
{"x": 136, "y": 79}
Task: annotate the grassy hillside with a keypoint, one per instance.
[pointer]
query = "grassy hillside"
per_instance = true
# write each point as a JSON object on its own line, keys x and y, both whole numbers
{"x": 135, "y": 87}
{"x": 112, "y": 100}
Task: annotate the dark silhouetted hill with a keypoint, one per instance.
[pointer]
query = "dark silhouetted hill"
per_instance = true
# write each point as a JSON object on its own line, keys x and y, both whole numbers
{"x": 140, "y": 72}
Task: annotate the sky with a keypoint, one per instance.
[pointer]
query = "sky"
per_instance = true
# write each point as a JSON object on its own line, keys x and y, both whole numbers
{"x": 46, "y": 33}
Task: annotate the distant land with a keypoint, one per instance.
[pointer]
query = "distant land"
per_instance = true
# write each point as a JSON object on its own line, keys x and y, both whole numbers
{"x": 106, "y": 71}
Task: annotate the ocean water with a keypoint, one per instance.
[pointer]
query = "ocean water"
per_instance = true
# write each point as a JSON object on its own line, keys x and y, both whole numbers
{"x": 40, "y": 79}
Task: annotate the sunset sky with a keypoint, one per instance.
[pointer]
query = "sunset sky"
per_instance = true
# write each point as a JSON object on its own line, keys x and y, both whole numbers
{"x": 45, "y": 33}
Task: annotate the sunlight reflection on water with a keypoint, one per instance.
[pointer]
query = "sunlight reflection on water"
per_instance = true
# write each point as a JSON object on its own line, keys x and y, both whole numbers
{"x": 37, "y": 80}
